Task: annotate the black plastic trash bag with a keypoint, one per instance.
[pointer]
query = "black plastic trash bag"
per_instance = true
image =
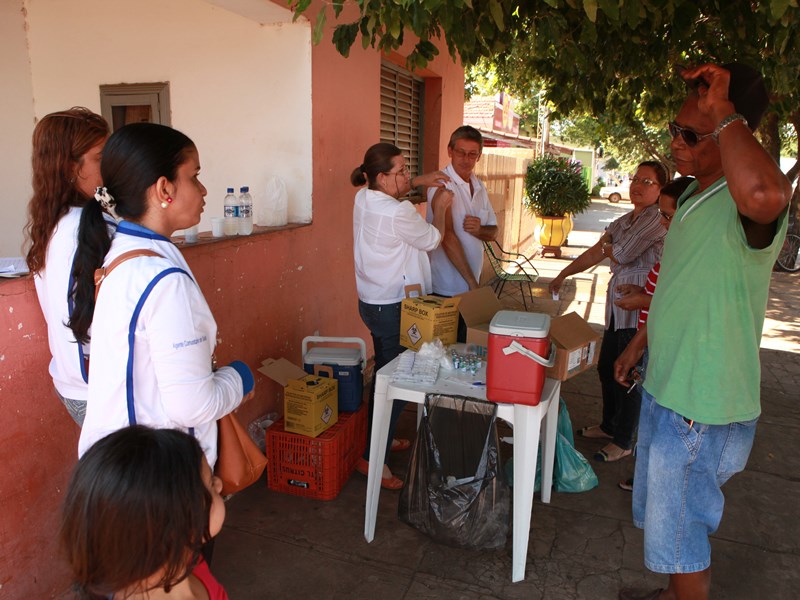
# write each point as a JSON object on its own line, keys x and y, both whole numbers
{"x": 455, "y": 490}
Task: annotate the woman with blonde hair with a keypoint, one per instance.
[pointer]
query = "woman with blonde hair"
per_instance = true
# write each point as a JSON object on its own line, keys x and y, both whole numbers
{"x": 67, "y": 146}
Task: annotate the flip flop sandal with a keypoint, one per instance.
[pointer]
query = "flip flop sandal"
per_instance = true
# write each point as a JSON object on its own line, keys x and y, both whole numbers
{"x": 388, "y": 483}
{"x": 604, "y": 455}
{"x": 400, "y": 444}
{"x": 594, "y": 432}
{"x": 626, "y": 485}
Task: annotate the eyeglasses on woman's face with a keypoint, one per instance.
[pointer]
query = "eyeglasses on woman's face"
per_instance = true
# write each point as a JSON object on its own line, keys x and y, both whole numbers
{"x": 643, "y": 180}
{"x": 690, "y": 137}
{"x": 665, "y": 215}
{"x": 404, "y": 172}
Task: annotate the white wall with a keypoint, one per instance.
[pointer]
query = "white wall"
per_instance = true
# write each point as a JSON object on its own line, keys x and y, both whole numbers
{"x": 16, "y": 125}
{"x": 240, "y": 88}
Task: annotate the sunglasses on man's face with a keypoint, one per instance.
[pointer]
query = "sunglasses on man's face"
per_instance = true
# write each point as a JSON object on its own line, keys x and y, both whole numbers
{"x": 690, "y": 137}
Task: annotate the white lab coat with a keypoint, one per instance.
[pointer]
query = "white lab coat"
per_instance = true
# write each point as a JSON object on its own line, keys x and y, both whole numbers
{"x": 169, "y": 373}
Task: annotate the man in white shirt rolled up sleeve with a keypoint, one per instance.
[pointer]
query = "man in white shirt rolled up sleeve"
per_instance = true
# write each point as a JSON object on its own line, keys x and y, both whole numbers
{"x": 470, "y": 221}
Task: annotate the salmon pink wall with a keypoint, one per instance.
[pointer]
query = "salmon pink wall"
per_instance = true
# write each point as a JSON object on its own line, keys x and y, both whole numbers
{"x": 267, "y": 292}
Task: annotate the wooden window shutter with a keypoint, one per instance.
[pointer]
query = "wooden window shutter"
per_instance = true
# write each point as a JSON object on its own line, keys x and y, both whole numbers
{"x": 401, "y": 113}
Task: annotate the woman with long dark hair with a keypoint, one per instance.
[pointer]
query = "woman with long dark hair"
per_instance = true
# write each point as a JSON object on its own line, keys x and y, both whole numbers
{"x": 67, "y": 147}
{"x": 390, "y": 244}
{"x": 153, "y": 335}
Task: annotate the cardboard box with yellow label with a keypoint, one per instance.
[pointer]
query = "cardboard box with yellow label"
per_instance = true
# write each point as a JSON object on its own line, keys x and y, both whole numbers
{"x": 426, "y": 318}
{"x": 310, "y": 402}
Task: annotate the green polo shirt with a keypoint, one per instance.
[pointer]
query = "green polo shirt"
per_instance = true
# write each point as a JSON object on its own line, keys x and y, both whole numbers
{"x": 707, "y": 313}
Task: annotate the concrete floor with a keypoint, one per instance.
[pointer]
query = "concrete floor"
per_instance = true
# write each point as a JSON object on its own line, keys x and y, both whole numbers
{"x": 584, "y": 545}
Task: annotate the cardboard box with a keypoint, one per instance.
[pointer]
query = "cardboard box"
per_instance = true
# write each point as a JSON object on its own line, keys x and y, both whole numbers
{"x": 310, "y": 402}
{"x": 477, "y": 307}
{"x": 577, "y": 346}
{"x": 425, "y": 318}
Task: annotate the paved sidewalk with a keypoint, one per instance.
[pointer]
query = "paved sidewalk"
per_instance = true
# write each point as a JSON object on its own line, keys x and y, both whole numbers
{"x": 582, "y": 546}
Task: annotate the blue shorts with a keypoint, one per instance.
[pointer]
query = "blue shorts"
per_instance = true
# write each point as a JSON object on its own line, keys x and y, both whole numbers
{"x": 676, "y": 491}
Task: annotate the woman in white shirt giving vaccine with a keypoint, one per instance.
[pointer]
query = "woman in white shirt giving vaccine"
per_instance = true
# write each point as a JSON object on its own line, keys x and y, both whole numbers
{"x": 390, "y": 243}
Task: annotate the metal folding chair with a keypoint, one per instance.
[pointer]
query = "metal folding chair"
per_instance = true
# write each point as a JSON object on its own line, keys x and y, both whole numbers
{"x": 511, "y": 266}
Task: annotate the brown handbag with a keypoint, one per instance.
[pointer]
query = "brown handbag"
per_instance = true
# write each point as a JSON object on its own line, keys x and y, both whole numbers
{"x": 240, "y": 462}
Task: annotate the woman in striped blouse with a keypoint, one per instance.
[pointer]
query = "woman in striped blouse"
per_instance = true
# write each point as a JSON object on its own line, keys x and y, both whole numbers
{"x": 633, "y": 243}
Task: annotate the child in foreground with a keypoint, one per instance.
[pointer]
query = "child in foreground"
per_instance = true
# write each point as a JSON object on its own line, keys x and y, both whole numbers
{"x": 140, "y": 505}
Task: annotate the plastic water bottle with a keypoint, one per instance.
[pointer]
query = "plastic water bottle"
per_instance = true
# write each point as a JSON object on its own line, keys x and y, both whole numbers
{"x": 245, "y": 211}
{"x": 231, "y": 208}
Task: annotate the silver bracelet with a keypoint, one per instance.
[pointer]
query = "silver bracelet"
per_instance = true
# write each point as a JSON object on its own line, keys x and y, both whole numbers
{"x": 732, "y": 118}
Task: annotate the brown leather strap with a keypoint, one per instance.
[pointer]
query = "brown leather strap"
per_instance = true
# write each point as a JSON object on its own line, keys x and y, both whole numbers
{"x": 103, "y": 272}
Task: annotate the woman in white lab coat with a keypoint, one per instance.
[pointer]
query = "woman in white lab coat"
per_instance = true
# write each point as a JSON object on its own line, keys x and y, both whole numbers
{"x": 153, "y": 334}
{"x": 67, "y": 146}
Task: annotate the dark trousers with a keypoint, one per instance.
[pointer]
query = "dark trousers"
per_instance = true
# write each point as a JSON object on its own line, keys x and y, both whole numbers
{"x": 620, "y": 408}
{"x": 383, "y": 322}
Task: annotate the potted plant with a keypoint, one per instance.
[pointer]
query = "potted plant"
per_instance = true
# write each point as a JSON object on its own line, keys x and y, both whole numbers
{"x": 554, "y": 190}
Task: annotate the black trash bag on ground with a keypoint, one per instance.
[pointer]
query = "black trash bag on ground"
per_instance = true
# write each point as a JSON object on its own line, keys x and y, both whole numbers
{"x": 455, "y": 490}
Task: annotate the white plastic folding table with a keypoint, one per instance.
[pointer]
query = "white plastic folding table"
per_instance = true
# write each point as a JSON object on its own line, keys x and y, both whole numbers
{"x": 529, "y": 423}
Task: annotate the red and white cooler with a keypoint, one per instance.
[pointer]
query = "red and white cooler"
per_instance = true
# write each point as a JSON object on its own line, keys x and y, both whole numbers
{"x": 519, "y": 353}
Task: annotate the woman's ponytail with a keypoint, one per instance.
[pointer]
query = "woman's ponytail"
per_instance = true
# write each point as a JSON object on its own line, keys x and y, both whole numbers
{"x": 93, "y": 244}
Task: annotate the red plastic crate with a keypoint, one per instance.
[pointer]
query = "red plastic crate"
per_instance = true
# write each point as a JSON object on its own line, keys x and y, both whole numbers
{"x": 316, "y": 467}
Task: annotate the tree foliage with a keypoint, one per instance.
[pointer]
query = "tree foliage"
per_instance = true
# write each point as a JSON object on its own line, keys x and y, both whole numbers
{"x": 611, "y": 59}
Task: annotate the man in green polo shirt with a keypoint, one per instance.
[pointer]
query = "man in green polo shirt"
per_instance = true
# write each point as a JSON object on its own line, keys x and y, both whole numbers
{"x": 701, "y": 402}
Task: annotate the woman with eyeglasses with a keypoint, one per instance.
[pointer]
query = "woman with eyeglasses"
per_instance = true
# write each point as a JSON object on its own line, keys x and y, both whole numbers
{"x": 66, "y": 170}
{"x": 390, "y": 243}
{"x": 633, "y": 244}
{"x": 636, "y": 297}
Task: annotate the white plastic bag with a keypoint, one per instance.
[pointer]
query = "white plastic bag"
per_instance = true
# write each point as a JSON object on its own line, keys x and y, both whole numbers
{"x": 273, "y": 211}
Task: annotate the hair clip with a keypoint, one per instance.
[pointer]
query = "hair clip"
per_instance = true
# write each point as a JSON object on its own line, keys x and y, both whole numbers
{"x": 105, "y": 199}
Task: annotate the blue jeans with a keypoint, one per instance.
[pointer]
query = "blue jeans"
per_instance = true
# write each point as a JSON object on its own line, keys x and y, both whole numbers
{"x": 383, "y": 322}
{"x": 677, "y": 496}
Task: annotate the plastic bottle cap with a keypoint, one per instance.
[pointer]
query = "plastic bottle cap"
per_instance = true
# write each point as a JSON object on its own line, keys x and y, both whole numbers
{"x": 230, "y": 190}
{"x": 244, "y": 189}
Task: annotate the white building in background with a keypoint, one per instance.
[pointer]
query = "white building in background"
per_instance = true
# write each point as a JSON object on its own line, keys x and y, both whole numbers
{"x": 239, "y": 77}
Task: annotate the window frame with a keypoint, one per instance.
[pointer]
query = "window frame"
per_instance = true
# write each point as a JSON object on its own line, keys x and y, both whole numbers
{"x": 154, "y": 95}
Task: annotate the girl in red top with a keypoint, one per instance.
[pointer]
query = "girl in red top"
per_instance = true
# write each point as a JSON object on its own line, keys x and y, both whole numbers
{"x": 140, "y": 506}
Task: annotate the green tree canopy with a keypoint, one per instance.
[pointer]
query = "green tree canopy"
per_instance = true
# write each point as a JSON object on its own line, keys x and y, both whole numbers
{"x": 610, "y": 59}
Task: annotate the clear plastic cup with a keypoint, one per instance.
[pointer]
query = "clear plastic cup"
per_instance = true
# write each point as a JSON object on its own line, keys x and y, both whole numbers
{"x": 218, "y": 227}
